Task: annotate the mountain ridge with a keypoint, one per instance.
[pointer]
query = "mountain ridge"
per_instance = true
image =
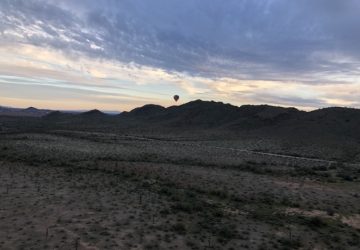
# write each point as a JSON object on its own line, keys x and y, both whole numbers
{"x": 210, "y": 115}
{"x": 315, "y": 132}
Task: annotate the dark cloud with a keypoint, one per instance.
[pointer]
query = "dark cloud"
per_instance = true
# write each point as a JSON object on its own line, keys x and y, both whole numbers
{"x": 290, "y": 101}
{"x": 303, "y": 40}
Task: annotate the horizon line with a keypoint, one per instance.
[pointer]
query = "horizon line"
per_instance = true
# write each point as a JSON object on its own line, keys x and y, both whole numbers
{"x": 118, "y": 111}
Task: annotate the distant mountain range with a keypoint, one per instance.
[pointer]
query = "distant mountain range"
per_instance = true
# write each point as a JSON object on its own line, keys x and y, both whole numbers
{"x": 329, "y": 132}
{"x": 28, "y": 112}
{"x": 204, "y": 115}
{"x": 34, "y": 112}
{"x": 211, "y": 115}
{"x": 207, "y": 115}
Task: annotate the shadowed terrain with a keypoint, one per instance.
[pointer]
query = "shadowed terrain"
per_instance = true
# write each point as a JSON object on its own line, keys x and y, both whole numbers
{"x": 202, "y": 175}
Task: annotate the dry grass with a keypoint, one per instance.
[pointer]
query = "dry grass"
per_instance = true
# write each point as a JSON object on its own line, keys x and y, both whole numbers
{"x": 99, "y": 191}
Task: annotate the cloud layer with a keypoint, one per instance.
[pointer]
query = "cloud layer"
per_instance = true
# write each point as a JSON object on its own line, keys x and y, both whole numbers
{"x": 228, "y": 50}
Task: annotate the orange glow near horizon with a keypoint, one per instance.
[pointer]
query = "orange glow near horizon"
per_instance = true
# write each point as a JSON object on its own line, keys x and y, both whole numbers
{"x": 64, "y": 83}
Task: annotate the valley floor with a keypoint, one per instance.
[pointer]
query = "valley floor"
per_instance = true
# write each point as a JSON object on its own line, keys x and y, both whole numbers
{"x": 65, "y": 190}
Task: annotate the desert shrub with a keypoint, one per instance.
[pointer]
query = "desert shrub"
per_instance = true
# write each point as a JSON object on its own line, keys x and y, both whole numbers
{"x": 330, "y": 212}
{"x": 217, "y": 213}
{"x": 170, "y": 192}
{"x": 190, "y": 193}
{"x": 226, "y": 232}
{"x": 290, "y": 244}
{"x": 287, "y": 202}
{"x": 320, "y": 168}
{"x": 237, "y": 199}
{"x": 165, "y": 211}
{"x": 190, "y": 206}
{"x": 267, "y": 198}
{"x": 265, "y": 213}
{"x": 250, "y": 162}
{"x": 219, "y": 193}
{"x": 345, "y": 176}
{"x": 304, "y": 171}
{"x": 191, "y": 244}
{"x": 315, "y": 222}
{"x": 338, "y": 165}
{"x": 324, "y": 174}
{"x": 151, "y": 246}
{"x": 332, "y": 166}
{"x": 179, "y": 228}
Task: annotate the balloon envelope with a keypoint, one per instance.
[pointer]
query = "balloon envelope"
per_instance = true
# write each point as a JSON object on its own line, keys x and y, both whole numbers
{"x": 176, "y": 98}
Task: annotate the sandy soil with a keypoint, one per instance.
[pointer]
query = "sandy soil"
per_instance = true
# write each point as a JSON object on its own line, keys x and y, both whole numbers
{"x": 92, "y": 192}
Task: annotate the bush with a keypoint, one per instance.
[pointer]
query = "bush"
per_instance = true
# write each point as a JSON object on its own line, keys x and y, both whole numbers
{"x": 346, "y": 177}
{"x": 179, "y": 228}
{"x": 189, "y": 206}
{"x": 219, "y": 193}
{"x": 290, "y": 244}
{"x": 316, "y": 222}
{"x": 226, "y": 232}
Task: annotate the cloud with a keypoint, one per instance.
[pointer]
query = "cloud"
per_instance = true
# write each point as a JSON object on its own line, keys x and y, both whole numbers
{"x": 241, "y": 39}
{"x": 199, "y": 48}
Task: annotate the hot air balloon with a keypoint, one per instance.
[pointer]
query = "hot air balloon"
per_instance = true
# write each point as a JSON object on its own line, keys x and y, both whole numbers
{"x": 176, "y": 98}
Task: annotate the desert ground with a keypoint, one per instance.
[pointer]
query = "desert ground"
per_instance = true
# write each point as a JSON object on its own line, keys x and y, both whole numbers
{"x": 87, "y": 190}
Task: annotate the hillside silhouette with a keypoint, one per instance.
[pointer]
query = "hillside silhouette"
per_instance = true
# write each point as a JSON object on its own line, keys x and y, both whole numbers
{"x": 318, "y": 132}
{"x": 212, "y": 115}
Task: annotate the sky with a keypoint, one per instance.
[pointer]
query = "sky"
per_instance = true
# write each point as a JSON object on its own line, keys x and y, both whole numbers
{"x": 121, "y": 54}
